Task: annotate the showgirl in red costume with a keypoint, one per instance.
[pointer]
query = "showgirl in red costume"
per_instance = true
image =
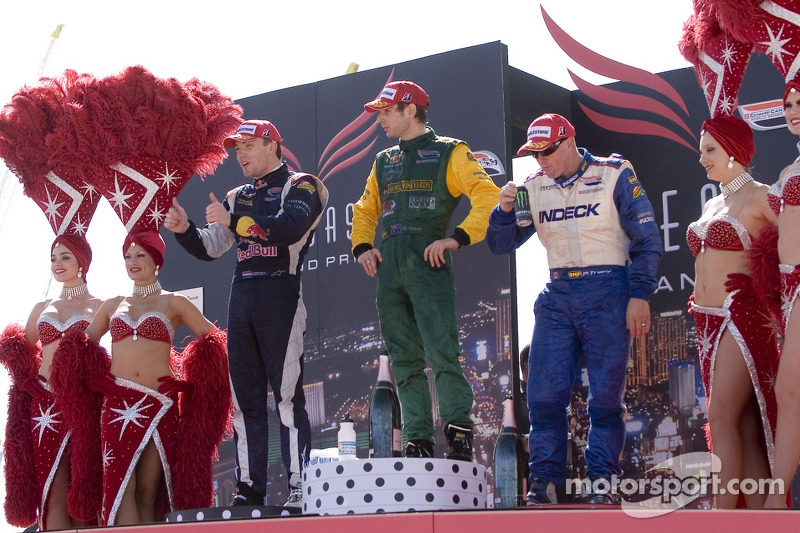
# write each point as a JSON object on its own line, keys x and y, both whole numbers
{"x": 138, "y": 139}
{"x": 37, "y": 441}
{"x": 773, "y": 28}
{"x": 736, "y": 332}
{"x": 785, "y": 200}
{"x": 21, "y": 351}
{"x": 737, "y": 343}
{"x": 140, "y": 417}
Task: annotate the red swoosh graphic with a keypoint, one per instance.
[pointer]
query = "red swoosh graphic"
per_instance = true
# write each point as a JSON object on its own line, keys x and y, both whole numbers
{"x": 359, "y": 121}
{"x": 621, "y": 99}
{"x": 625, "y": 125}
{"x": 608, "y": 67}
{"x": 355, "y": 142}
{"x": 338, "y": 151}
{"x": 291, "y": 158}
{"x": 352, "y": 160}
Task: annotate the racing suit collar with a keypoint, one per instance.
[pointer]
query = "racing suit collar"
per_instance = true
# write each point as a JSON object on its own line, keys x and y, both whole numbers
{"x": 566, "y": 182}
{"x": 279, "y": 174}
{"x": 416, "y": 142}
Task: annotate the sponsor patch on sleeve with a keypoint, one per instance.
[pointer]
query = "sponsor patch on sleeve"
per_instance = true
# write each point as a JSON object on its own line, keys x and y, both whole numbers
{"x": 306, "y": 186}
{"x": 637, "y": 191}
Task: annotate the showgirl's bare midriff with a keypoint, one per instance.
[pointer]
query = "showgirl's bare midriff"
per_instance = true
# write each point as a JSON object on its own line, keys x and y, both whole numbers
{"x": 711, "y": 272}
{"x": 141, "y": 360}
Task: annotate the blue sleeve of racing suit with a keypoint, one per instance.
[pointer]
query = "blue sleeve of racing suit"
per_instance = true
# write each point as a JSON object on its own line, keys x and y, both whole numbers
{"x": 638, "y": 221}
{"x": 503, "y": 235}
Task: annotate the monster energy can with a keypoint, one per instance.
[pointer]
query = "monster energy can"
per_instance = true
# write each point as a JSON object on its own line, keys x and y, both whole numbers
{"x": 522, "y": 207}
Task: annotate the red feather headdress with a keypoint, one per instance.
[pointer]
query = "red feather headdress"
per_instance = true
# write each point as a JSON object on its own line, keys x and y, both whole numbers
{"x": 719, "y": 59}
{"x": 150, "y": 135}
{"x": 39, "y": 146}
{"x": 772, "y": 26}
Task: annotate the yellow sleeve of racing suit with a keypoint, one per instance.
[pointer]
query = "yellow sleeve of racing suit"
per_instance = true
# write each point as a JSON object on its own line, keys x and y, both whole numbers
{"x": 466, "y": 176}
{"x": 366, "y": 213}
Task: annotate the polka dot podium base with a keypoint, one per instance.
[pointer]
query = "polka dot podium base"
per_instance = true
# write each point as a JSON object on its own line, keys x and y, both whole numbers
{"x": 393, "y": 485}
{"x": 239, "y": 512}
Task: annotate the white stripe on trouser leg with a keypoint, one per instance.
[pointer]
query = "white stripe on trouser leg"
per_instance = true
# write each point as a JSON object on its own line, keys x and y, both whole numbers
{"x": 291, "y": 374}
{"x": 241, "y": 438}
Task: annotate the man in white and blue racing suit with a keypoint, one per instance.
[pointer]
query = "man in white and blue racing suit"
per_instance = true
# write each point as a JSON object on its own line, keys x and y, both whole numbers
{"x": 603, "y": 248}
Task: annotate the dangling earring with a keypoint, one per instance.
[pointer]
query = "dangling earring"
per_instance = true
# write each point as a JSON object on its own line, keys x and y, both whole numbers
{"x": 156, "y": 271}
{"x": 80, "y": 272}
{"x": 730, "y": 162}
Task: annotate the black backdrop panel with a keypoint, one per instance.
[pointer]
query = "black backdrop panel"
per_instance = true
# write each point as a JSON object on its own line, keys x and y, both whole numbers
{"x": 326, "y": 132}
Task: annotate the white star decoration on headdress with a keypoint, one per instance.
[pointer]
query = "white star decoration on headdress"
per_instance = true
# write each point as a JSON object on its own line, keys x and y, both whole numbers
{"x": 78, "y": 227}
{"x": 167, "y": 178}
{"x": 46, "y": 420}
{"x": 728, "y": 55}
{"x": 726, "y": 104}
{"x": 52, "y": 206}
{"x": 131, "y": 414}
{"x": 89, "y": 191}
{"x": 775, "y": 45}
{"x": 119, "y": 198}
{"x": 143, "y": 192}
{"x": 156, "y": 215}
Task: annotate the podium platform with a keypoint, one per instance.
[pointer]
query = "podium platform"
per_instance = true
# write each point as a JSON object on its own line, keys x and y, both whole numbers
{"x": 547, "y": 518}
{"x": 390, "y": 485}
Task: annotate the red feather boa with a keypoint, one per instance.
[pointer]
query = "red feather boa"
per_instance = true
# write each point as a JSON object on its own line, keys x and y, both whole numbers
{"x": 78, "y": 361}
{"x": 22, "y": 361}
{"x": 764, "y": 271}
{"x": 204, "y": 422}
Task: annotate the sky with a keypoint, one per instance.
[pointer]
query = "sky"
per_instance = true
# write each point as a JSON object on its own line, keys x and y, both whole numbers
{"x": 248, "y": 48}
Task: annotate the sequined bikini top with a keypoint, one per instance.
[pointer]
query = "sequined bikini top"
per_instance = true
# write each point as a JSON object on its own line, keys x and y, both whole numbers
{"x": 51, "y": 329}
{"x": 722, "y": 232}
{"x": 151, "y": 325}
{"x": 784, "y": 191}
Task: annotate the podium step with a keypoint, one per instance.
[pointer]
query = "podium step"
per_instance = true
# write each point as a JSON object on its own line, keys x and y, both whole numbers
{"x": 237, "y": 512}
{"x": 392, "y": 485}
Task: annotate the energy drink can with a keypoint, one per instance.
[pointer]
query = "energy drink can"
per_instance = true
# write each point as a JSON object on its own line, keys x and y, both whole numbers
{"x": 522, "y": 207}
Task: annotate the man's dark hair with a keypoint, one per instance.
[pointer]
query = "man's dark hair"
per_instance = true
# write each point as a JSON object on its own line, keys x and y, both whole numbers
{"x": 523, "y": 358}
{"x": 278, "y": 150}
{"x": 421, "y": 114}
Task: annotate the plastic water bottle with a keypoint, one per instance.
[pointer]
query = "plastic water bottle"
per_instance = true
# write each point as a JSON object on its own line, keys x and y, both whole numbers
{"x": 347, "y": 439}
{"x": 508, "y": 471}
{"x": 385, "y": 427}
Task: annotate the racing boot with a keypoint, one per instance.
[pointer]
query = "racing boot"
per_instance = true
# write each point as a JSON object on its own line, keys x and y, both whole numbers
{"x": 542, "y": 492}
{"x": 245, "y": 495}
{"x": 420, "y": 448}
{"x": 602, "y": 493}
{"x": 460, "y": 440}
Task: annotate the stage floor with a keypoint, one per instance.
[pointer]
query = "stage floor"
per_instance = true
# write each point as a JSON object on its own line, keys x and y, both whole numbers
{"x": 583, "y": 519}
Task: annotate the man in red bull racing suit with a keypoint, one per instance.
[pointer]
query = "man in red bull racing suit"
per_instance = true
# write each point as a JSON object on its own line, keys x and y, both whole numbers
{"x": 271, "y": 222}
{"x": 603, "y": 249}
{"x": 414, "y": 188}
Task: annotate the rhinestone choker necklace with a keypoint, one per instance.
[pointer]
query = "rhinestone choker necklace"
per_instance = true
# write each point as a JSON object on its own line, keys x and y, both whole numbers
{"x": 144, "y": 291}
{"x": 68, "y": 293}
{"x": 735, "y": 184}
